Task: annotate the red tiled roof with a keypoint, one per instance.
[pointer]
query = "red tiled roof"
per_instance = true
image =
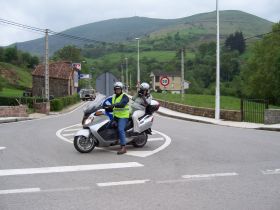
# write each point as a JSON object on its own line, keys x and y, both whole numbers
{"x": 60, "y": 70}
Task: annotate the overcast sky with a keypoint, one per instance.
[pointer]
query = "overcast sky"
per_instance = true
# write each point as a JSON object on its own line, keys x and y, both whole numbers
{"x": 59, "y": 15}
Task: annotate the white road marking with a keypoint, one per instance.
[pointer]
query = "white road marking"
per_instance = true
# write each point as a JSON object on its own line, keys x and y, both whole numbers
{"x": 156, "y": 139}
{"x": 132, "y": 153}
{"x": 26, "y": 190}
{"x": 58, "y": 133}
{"x": 76, "y": 129}
{"x": 269, "y": 172}
{"x": 59, "y": 169}
{"x": 1, "y": 148}
{"x": 148, "y": 153}
{"x": 107, "y": 184}
{"x": 68, "y": 134}
{"x": 66, "y": 189}
{"x": 203, "y": 176}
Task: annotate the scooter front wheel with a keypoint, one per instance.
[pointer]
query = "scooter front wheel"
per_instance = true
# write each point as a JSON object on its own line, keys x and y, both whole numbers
{"x": 84, "y": 144}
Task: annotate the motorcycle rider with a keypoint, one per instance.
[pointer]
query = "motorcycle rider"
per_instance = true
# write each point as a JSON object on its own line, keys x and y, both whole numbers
{"x": 121, "y": 113}
{"x": 140, "y": 101}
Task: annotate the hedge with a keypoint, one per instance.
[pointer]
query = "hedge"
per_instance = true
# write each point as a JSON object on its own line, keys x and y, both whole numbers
{"x": 56, "y": 104}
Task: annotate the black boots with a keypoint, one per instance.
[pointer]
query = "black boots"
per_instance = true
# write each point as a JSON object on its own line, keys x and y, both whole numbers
{"x": 122, "y": 150}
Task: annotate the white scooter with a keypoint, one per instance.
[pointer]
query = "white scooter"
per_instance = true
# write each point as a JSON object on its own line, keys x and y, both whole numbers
{"x": 96, "y": 131}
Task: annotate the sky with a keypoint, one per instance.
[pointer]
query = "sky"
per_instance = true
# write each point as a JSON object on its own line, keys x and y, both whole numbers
{"x": 59, "y": 15}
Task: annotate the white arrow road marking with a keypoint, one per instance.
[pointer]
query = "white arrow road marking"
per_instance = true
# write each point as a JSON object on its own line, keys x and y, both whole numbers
{"x": 132, "y": 153}
{"x": 58, "y": 133}
{"x": 76, "y": 129}
{"x": 205, "y": 176}
{"x": 26, "y": 190}
{"x": 2, "y": 148}
{"x": 148, "y": 153}
{"x": 59, "y": 169}
{"x": 69, "y": 134}
{"x": 156, "y": 139}
{"x": 269, "y": 172}
{"x": 106, "y": 184}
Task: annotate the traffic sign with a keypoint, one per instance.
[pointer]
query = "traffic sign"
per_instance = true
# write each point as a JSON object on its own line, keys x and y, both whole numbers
{"x": 164, "y": 81}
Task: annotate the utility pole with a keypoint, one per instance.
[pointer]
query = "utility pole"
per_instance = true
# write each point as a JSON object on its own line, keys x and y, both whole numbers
{"x": 122, "y": 73}
{"x": 47, "y": 65}
{"x": 182, "y": 74}
{"x": 217, "y": 102}
{"x": 138, "y": 65}
{"x": 126, "y": 75}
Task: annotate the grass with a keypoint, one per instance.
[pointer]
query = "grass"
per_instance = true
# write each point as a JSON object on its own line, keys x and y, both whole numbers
{"x": 206, "y": 101}
{"x": 11, "y": 92}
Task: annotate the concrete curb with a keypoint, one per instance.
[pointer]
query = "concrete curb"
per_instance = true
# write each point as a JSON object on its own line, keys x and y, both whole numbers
{"x": 15, "y": 119}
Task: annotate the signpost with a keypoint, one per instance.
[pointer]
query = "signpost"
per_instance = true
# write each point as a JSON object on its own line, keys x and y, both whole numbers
{"x": 164, "y": 81}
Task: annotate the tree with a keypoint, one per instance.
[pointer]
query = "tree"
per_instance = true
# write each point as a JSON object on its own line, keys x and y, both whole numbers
{"x": 69, "y": 53}
{"x": 236, "y": 42}
{"x": 262, "y": 72}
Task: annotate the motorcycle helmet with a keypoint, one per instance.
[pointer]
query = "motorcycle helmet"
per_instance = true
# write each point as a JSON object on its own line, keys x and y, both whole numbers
{"x": 144, "y": 86}
{"x": 118, "y": 85}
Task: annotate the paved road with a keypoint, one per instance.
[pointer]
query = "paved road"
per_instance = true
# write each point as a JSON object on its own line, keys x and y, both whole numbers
{"x": 200, "y": 167}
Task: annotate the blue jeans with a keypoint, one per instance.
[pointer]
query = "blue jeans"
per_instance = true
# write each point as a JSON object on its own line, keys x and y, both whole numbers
{"x": 121, "y": 126}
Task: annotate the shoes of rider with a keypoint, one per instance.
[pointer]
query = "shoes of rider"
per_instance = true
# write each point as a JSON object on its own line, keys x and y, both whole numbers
{"x": 122, "y": 150}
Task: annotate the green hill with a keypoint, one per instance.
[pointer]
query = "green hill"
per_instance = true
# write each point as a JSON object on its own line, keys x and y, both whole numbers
{"x": 200, "y": 26}
{"x": 13, "y": 77}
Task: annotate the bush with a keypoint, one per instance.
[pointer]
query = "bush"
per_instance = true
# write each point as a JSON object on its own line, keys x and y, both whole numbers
{"x": 62, "y": 102}
{"x": 56, "y": 104}
{"x": 15, "y": 101}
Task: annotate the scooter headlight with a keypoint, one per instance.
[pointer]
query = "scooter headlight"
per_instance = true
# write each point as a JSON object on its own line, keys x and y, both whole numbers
{"x": 89, "y": 119}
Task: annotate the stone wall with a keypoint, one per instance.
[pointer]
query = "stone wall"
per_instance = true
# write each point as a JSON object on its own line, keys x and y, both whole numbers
{"x": 272, "y": 116}
{"x": 42, "y": 107}
{"x": 58, "y": 87}
{"x": 13, "y": 111}
{"x": 230, "y": 115}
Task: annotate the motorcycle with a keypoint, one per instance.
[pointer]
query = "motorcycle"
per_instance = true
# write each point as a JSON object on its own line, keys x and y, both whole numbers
{"x": 98, "y": 130}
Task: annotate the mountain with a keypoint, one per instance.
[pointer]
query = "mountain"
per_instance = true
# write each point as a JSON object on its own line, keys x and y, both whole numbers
{"x": 126, "y": 29}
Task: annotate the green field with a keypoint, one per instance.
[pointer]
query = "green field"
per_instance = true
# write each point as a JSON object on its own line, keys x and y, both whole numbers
{"x": 207, "y": 101}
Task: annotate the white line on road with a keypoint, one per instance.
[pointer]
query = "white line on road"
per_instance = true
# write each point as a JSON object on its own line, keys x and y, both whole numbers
{"x": 76, "y": 129}
{"x": 59, "y": 169}
{"x": 58, "y": 134}
{"x": 68, "y": 134}
{"x": 106, "y": 184}
{"x": 26, "y": 190}
{"x": 269, "y": 172}
{"x": 1, "y": 148}
{"x": 156, "y": 139}
{"x": 203, "y": 176}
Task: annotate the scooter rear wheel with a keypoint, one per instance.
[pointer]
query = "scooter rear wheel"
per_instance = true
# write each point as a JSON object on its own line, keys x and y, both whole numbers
{"x": 140, "y": 141}
{"x": 84, "y": 144}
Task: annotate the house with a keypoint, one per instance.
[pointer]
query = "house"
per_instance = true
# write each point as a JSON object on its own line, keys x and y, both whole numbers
{"x": 63, "y": 79}
{"x": 169, "y": 81}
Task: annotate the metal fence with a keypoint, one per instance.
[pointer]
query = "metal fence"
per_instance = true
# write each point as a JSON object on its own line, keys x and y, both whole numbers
{"x": 252, "y": 110}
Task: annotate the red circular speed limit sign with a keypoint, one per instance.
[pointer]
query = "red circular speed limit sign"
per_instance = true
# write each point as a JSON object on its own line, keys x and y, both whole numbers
{"x": 164, "y": 81}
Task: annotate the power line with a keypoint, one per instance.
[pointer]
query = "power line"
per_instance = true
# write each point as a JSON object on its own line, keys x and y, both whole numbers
{"x": 22, "y": 26}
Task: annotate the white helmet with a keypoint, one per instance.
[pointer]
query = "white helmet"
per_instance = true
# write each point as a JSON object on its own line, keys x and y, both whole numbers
{"x": 145, "y": 86}
{"x": 118, "y": 85}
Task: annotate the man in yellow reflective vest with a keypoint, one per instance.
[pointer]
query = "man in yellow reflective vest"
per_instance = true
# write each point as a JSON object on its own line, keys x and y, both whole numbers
{"x": 121, "y": 113}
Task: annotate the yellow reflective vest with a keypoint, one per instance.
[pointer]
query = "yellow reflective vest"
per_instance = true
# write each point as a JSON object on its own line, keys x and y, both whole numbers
{"x": 120, "y": 112}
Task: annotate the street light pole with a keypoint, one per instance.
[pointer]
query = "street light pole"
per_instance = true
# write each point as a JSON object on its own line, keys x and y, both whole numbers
{"x": 126, "y": 74}
{"x": 217, "y": 104}
{"x": 138, "y": 65}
